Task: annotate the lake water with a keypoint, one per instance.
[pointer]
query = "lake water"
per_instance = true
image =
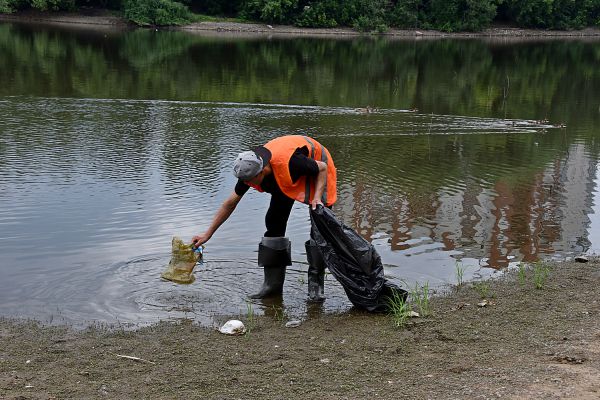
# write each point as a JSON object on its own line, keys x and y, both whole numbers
{"x": 477, "y": 152}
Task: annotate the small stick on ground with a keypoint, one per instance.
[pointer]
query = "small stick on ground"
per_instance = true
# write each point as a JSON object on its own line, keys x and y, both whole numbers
{"x": 133, "y": 358}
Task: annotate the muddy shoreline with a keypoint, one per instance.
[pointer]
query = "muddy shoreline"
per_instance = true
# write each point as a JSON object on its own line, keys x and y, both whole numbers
{"x": 524, "y": 343}
{"x": 103, "y": 18}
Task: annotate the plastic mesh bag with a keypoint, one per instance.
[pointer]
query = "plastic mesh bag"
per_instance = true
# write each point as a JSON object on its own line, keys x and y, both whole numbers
{"x": 183, "y": 261}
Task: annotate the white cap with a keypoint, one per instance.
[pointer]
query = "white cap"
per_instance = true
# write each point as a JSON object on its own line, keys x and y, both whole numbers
{"x": 247, "y": 165}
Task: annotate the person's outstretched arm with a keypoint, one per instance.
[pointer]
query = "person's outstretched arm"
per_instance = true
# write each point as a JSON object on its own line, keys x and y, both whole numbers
{"x": 320, "y": 184}
{"x": 221, "y": 216}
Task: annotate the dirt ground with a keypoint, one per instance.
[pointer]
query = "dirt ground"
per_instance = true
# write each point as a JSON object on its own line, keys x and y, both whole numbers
{"x": 525, "y": 343}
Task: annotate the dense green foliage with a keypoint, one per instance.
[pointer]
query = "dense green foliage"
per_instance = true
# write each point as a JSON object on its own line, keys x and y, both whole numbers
{"x": 5, "y": 6}
{"x": 156, "y": 12}
{"x": 8, "y": 6}
{"x": 215, "y": 7}
{"x": 555, "y": 14}
{"x": 279, "y": 11}
{"x": 364, "y": 15}
{"x": 53, "y": 5}
{"x": 141, "y": 12}
{"x": 445, "y": 15}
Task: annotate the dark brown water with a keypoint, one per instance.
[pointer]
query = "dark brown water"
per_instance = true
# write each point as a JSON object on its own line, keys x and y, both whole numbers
{"x": 113, "y": 142}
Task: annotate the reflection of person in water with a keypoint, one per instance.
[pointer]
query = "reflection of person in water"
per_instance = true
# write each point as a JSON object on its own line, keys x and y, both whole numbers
{"x": 290, "y": 168}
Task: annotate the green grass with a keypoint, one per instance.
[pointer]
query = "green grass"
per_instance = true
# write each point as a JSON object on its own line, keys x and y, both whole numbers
{"x": 399, "y": 310}
{"x": 420, "y": 297}
{"x": 522, "y": 273}
{"x": 540, "y": 274}
{"x": 460, "y": 273}
{"x": 483, "y": 288}
{"x": 278, "y": 313}
{"x": 250, "y": 318}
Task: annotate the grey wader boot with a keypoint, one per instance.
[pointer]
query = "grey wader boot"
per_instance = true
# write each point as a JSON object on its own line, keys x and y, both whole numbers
{"x": 274, "y": 254}
{"x": 316, "y": 272}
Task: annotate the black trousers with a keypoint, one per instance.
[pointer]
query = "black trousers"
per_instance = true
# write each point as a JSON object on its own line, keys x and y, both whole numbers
{"x": 278, "y": 214}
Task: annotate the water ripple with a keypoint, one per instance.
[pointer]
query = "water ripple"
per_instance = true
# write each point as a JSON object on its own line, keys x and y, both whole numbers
{"x": 101, "y": 186}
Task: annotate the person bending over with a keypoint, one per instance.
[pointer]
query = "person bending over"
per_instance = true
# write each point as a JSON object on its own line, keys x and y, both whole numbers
{"x": 290, "y": 168}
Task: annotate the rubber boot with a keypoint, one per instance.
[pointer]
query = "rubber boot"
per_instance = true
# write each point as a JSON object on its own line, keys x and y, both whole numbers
{"x": 316, "y": 272}
{"x": 274, "y": 254}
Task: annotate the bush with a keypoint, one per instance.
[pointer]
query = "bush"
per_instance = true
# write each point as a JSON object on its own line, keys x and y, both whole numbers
{"x": 442, "y": 15}
{"x": 478, "y": 14}
{"x": 319, "y": 14}
{"x": 7, "y": 6}
{"x": 461, "y": 15}
{"x": 275, "y": 11}
{"x": 366, "y": 15}
{"x": 215, "y": 7}
{"x": 53, "y": 5}
{"x": 406, "y": 14}
{"x": 108, "y": 4}
{"x": 592, "y": 11}
{"x": 366, "y": 23}
{"x": 575, "y": 14}
{"x": 530, "y": 13}
{"x": 554, "y": 14}
{"x": 156, "y": 12}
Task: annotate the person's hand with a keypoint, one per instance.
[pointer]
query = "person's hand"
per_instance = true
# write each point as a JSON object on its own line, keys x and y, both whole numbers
{"x": 315, "y": 202}
{"x": 199, "y": 240}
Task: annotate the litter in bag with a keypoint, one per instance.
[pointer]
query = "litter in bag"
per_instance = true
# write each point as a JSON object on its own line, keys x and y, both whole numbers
{"x": 183, "y": 260}
{"x": 353, "y": 261}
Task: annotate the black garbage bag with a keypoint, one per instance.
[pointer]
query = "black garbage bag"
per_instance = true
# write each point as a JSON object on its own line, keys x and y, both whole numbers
{"x": 353, "y": 261}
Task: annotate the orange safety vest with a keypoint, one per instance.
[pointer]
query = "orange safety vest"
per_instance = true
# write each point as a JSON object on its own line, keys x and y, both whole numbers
{"x": 282, "y": 149}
